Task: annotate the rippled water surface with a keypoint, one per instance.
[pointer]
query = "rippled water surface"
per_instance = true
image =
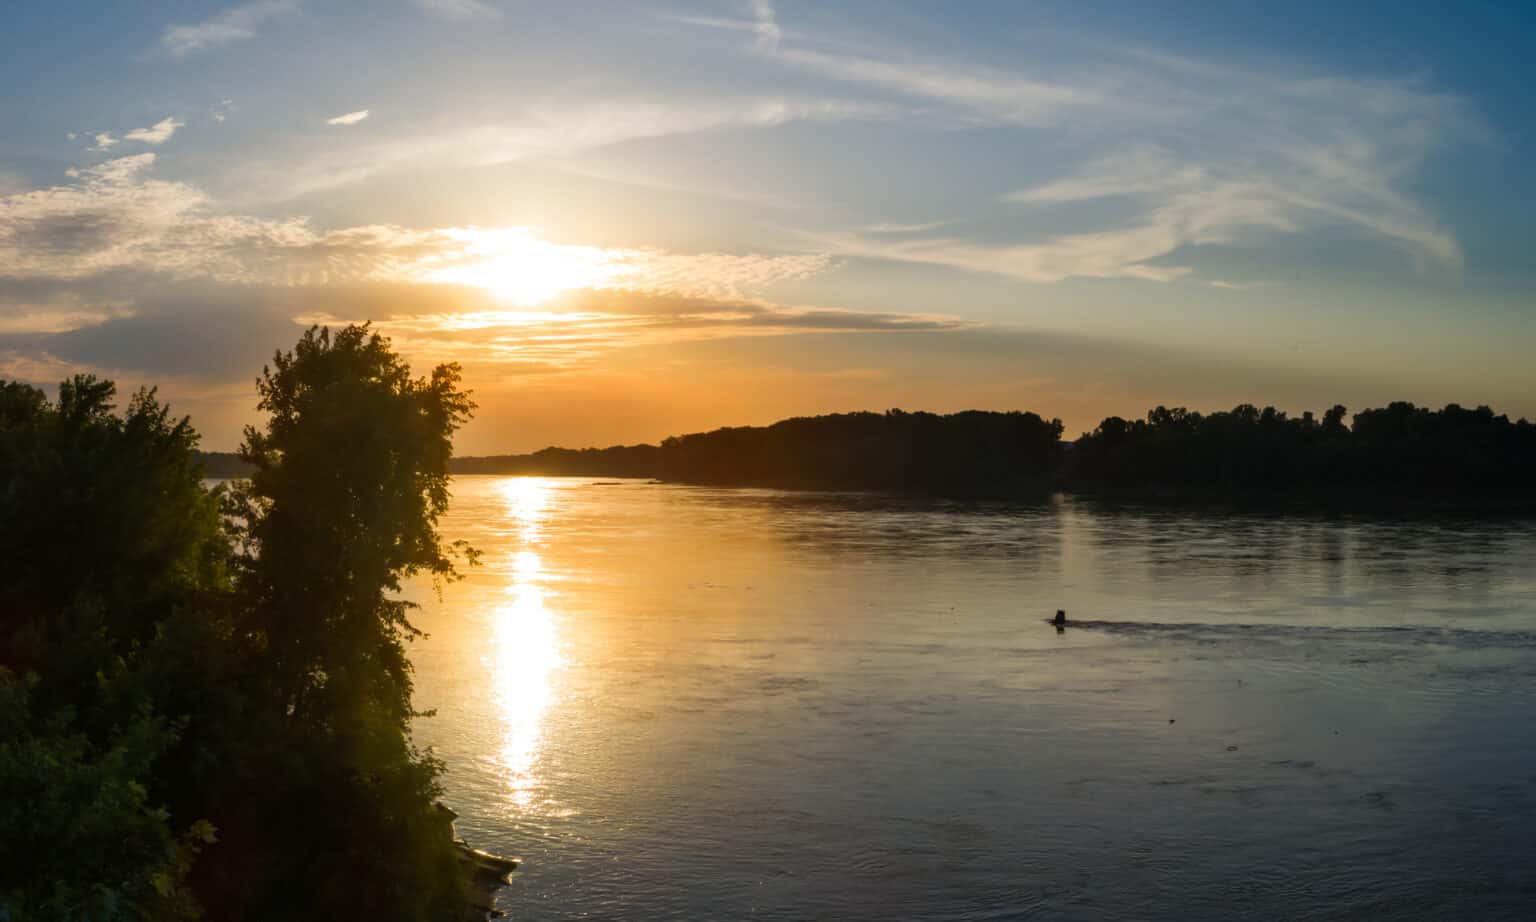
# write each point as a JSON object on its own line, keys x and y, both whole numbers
{"x": 685, "y": 703}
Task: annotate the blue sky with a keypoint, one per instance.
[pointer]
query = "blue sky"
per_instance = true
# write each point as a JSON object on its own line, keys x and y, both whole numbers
{"x": 633, "y": 220}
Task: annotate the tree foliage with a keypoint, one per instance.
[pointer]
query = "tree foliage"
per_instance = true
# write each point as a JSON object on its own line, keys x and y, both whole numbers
{"x": 351, "y": 474}
{"x": 107, "y": 537}
{"x": 204, "y": 695}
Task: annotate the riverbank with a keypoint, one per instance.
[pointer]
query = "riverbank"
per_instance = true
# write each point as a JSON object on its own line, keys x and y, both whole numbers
{"x": 488, "y": 873}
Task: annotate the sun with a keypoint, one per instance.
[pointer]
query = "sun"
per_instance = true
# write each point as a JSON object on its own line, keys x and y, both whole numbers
{"x": 516, "y": 266}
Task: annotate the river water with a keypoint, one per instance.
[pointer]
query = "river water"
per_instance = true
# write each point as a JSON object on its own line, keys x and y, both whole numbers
{"x": 689, "y": 703}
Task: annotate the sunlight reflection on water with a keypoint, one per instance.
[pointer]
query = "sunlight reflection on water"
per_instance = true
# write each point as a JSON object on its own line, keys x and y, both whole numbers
{"x": 527, "y": 643}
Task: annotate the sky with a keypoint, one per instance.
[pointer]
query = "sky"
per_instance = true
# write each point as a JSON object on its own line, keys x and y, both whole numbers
{"x": 628, "y": 221}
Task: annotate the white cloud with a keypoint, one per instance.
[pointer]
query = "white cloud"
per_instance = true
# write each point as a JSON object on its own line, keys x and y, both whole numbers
{"x": 989, "y": 94}
{"x": 459, "y": 9}
{"x": 113, "y": 216}
{"x": 896, "y": 227}
{"x": 765, "y": 25}
{"x": 1210, "y": 197}
{"x": 979, "y": 92}
{"x": 590, "y": 324}
{"x": 1111, "y": 254}
{"x": 42, "y": 320}
{"x": 158, "y": 133}
{"x": 351, "y": 118}
{"x": 1308, "y": 157}
{"x": 104, "y": 141}
{"x": 116, "y": 217}
{"x": 236, "y": 24}
{"x": 542, "y": 131}
{"x": 38, "y": 367}
{"x": 1185, "y": 153}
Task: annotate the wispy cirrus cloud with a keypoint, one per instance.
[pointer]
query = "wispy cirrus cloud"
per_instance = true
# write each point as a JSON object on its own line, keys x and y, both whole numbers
{"x": 765, "y": 25}
{"x": 543, "y": 131}
{"x": 51, "y": 319}
{"x": 37, "y": 367}
{"x": 1180, "y": 153}
{"x": 974, "y": 92}
{"x": 1195, "y": 200}
{"x": 459, "y": 9}
{"x": 1109, "y": 254}
{"x": 158, "y": 133}
{"x": 351, "y": 118}
{"x": 590, "y": 324}
{"x": 898, "y": 227}
{"x": 987, "y": 94}
{"x": 236, "y": 24}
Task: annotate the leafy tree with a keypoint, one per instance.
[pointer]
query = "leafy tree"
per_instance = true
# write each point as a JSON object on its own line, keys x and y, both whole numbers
{"x": 107, "y": 538}
{"x": 350, "y": 477}
{"x": 82, "y": 838}
{"x": 351, "y": 474}
{"x": 204, "y": 710}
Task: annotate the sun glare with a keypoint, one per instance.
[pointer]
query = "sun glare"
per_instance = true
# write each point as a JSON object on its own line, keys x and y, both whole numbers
{"x": 520, "y": 268}
{"x": 527, "y": 642}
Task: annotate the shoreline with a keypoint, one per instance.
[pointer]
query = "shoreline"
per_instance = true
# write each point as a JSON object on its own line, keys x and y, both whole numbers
{"x": 488, "y": 873}
{"x": 1193, "y": 498}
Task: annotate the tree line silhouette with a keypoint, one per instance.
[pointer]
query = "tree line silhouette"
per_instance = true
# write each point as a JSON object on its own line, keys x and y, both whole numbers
{"x": 204, "y": 693}
{"x": 1399, "y": 448}
{"x": 892, "y": 450}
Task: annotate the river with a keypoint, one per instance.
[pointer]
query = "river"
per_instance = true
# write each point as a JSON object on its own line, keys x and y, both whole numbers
{"x": 689, "y": 703}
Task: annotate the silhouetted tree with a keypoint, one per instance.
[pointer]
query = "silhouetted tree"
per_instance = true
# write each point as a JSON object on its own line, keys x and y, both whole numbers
{"x": 208, "y": 714}
{"x": 107, "y": 544}
{"x": 350, "y": 478}
{"x": 351, "y": 474}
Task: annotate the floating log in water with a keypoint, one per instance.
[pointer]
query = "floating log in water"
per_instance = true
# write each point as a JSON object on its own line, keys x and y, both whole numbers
{"x": 488, "y": 873}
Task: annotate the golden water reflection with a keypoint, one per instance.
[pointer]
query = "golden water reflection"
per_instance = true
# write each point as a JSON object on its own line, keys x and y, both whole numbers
{"x": 526, "y": 639}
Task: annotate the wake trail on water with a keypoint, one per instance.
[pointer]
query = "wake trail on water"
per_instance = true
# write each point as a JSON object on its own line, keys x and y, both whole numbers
{"x": 1463, "y": 638}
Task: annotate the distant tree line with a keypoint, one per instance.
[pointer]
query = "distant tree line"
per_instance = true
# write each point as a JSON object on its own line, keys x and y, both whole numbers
{"x": 1397, "y": 450}
{"x": 1400, "y": 449}
{"x": 893, "y": 450}
{"x": 618, "y": 461}
{"x": 204, "y": 693}
{"x": 225, "y": 465}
